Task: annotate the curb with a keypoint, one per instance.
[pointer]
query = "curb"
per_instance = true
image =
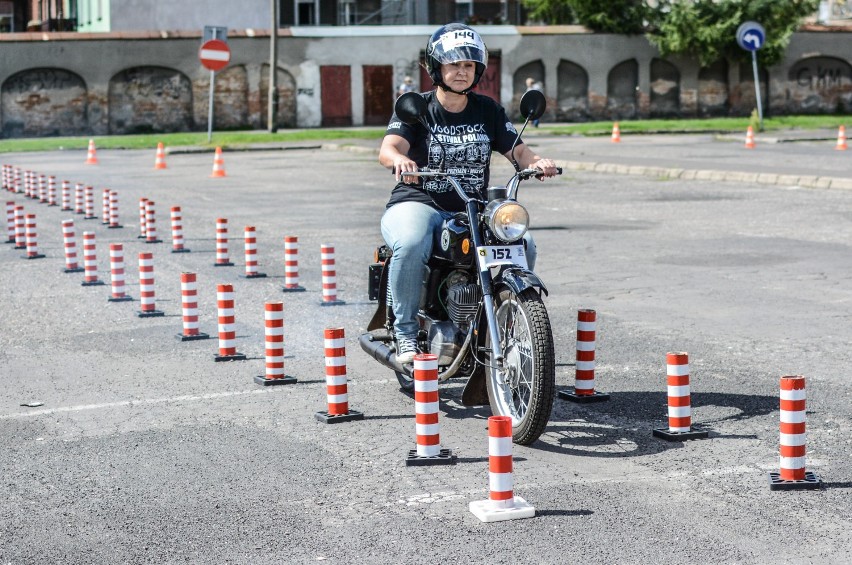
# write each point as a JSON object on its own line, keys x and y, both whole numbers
{"x": 719, "y": 176}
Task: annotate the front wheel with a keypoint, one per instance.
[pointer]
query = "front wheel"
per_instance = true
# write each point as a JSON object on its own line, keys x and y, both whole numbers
{"x": 524, "y": 389}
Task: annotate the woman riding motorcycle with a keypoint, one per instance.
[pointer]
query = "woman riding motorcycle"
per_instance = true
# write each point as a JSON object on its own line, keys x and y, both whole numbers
{"x": 468, "y": 127}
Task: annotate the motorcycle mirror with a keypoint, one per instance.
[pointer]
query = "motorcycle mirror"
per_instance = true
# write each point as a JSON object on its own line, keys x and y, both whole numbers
{"x": 410, "y": 107}
{"x": 533, "y": 104}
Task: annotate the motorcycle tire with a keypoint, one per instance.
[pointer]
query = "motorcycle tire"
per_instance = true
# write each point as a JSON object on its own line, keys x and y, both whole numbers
{"x": 526, "y": 394}
{"x": 406, "y": 382}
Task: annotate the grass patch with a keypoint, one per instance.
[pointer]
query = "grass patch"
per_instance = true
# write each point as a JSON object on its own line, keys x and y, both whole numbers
{"x": 233, "y": 139}
{"x": 709, "y": 125}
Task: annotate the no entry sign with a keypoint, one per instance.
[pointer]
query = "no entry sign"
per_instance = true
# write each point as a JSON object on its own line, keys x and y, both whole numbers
{"x": 214, "y": 54}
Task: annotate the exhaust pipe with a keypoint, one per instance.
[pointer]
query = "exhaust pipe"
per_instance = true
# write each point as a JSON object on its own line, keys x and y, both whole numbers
{"x": 379, "y": 351}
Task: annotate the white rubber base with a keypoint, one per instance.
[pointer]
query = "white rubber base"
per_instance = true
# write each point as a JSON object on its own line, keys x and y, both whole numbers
{"x": 486, "y": 512}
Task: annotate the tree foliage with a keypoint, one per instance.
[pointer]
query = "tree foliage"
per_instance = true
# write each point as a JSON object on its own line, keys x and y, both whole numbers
{"x": 707, "y": 29}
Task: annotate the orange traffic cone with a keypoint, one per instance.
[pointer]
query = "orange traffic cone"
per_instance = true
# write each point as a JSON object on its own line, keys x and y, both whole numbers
{"x": 91, "y": 158}
{"x": 160, "y": 162}
{"x": 841, "y": 139}
{"x": 749, "y": 144}
{"x": 218, "y": 164}
{"x": 616, "y": 133}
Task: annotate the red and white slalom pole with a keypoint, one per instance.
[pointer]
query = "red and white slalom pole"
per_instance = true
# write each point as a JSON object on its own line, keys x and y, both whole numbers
{"x": 113, "y": 211}
{"x": 51, "y": 191}
{"x": 151, "y": 223}
{"x": 336, "y": 386}
{"x": 146, "y": 287}
{"x": 273, "y": 316}
{"x": 291, "y": 264}
{"x": 426, "y": 407}
{"x": 142, "y": 216}
{"x": 42, "y": 189}
{"x": 792, "y": 459}
{"x": 222, "y": 244}
{"x": 502, "y": 504}
{"x": 69, "y": 241}
{"x": 66, "y": 196}
{"x": 189, "y": 308}
{"x": 679, "y": 401}
{"x": 177, "y": 231}
{"x": 250, "y": 238}
{"x": 32, "y": 238}
{"x": 584, "y": 379}
{"x": 105, "y": 206}
{"x": 79, "y": 207}
{"x": 329, "y": 276}
{"x": 116, "y": 271}
{"x": 10, "y": 221}
{"x": 227, "y": 332}
{"x": 20, "y": 228}
{"x": 90, "y": 203}
{"x": 90, "y": 261}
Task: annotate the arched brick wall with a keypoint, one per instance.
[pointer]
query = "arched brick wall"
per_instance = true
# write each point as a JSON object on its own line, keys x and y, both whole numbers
{"x": 621, "y": 89}
{"x": 572, "y": 91}
{"x": 44, "y": 101}
{"x": 150, "y": 99}
{"x": 665, "y": 89}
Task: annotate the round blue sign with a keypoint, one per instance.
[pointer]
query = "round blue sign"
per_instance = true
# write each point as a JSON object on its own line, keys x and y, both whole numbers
{"x": 751, "y": 36}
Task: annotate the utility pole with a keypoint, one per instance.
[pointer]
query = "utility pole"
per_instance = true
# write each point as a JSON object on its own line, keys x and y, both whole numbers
{"x": 273, "y": 70}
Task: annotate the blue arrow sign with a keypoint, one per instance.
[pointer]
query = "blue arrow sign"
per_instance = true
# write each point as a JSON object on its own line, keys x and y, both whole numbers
{"x": 751, "y": 36}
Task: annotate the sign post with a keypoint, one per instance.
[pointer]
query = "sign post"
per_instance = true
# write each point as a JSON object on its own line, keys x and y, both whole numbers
{"x": 751, "y": 36}
{"x": 215, "y": 56}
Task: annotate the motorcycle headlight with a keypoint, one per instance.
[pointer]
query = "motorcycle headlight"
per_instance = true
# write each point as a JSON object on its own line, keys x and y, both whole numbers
{"x": 507, "y": 220}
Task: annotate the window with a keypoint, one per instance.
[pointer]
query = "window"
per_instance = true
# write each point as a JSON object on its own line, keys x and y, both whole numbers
{"x": 464, "y": 10}
{"x": 7, "y": 17}
{"x": 307, "y": 12}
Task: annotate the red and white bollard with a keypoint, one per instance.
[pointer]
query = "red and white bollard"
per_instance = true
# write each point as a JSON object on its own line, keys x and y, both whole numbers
{"x": 146, "y": 287}
{"x": 584, "y": 379}
{"x": 90, "y": 204}
{"x": 10, "y": 221}
{"x": 177, "y": 231}
{"x": 222, "y": 244}
{"x": 502, "y": 504}
{"x": 336, "y": 386}
{"x": 426, "y": 404}
{"x": 69, "y": 241}
{"x": 90, "y": 261}
{"x": 79, "y": 207}
{"x": 142, "y": 216}
{"x": 20, "y": 228}
{"x": 189, "y": 308}
{"x": 227, "y": 332}
{"x": 32, "y": 238}
{"x": 105, "y": 206}
{"x": 116, "y": 271}
{"x": 329, "y": 277}
{"x": 113, "y": 211}
{"x": 291, "y": 265}
{"x": 680, "y": 404}
{"x": 66, "y": 196}
{"x": 250, "y": 238}
{"x": 42, "y": 189}
{"x": 273, "y": 315}
{"x": 792, "y": 473}
{"x": 51, "y": 191}
{"x": 151, "y": 223}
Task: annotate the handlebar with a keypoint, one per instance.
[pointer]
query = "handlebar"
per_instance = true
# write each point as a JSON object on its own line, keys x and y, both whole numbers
{"x": 512, "y": 185}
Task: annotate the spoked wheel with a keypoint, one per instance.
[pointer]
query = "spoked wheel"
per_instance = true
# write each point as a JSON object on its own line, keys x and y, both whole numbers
{"x": 524, "y": 389}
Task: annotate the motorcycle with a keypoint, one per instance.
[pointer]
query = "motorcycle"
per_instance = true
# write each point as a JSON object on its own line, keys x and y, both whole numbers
{"x": 481, "y": 312}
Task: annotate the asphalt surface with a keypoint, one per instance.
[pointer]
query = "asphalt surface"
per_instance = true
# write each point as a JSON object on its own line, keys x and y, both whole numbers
{"x": 147, "y": 451}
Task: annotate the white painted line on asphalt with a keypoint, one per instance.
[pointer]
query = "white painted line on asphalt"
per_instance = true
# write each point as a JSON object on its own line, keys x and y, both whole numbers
{"x": 139, "y": 402}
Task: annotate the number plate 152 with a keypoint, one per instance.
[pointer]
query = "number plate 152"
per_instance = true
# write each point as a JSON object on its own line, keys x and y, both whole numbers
{"x": 494, "y": 255}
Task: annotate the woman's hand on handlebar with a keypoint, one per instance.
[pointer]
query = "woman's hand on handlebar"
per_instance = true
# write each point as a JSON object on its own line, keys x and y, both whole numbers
{"x": 547, "y": 168}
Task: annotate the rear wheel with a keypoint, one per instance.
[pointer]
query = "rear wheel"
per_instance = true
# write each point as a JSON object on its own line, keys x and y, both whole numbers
{"x": 524, "y": 389}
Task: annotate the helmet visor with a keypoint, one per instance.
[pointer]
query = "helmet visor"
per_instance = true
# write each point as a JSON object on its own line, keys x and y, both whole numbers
{"x": 460, "y": 45}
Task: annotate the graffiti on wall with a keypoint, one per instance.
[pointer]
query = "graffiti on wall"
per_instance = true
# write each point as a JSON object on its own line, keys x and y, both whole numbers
{"x": 43, "y": 102}
{"x": 820, "y": 84}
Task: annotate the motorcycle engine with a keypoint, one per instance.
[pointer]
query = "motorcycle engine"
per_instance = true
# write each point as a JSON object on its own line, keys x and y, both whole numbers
{"x": 462, "y": 302}
{"x": 446, "y": 337}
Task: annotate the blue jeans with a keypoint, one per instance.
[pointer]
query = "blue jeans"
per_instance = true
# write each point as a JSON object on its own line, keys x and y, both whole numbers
{"x": 410, "y": 229}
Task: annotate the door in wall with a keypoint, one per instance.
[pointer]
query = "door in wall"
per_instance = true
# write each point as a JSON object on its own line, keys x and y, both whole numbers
{"x": 336, "y": 88}
{"x": 378, "y": 94}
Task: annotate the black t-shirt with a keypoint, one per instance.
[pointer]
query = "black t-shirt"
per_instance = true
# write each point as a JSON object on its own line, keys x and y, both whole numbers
{"x": 468, "y": 136}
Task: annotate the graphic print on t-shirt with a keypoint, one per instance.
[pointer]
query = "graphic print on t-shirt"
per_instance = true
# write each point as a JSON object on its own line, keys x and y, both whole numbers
{"x": 468, "y": 151}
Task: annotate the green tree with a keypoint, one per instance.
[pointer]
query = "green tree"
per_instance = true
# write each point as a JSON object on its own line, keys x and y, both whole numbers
{"x": 551, "y": 12}
{"x": 611, "y": 16}
{"x": 707, "y": 29}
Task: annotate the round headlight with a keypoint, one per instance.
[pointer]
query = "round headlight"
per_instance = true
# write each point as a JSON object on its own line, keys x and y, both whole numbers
{"x": 508, "y": 220}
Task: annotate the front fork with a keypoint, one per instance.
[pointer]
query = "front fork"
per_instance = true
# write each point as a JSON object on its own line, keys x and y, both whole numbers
{"x": 487, "y": 284}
